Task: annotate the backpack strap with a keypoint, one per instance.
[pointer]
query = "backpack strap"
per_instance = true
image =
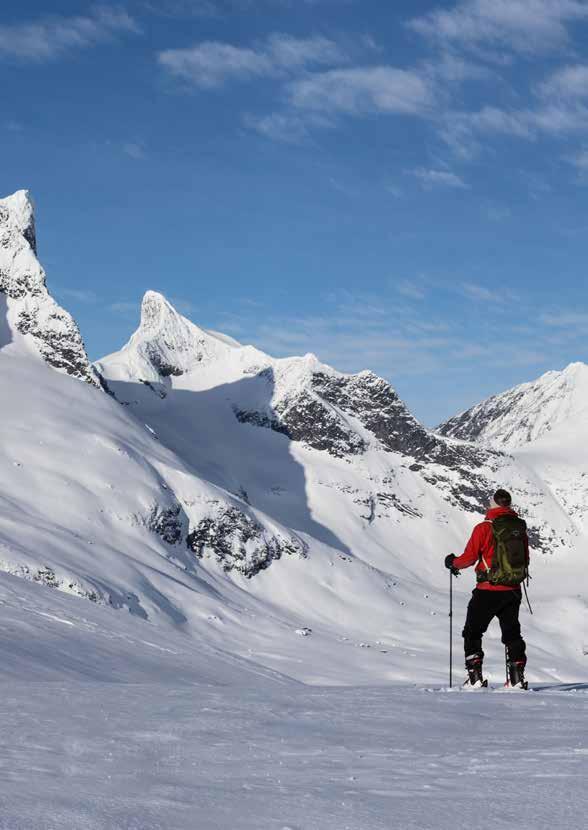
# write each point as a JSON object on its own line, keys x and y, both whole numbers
{"x": 481, "y": 557}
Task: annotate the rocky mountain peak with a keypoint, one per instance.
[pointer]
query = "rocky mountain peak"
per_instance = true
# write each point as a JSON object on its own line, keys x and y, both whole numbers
{"x": 165, "y": 345}
{"x": 524, "y": 413}
{"x": 40, "y": 325}
{"x": 157, "y": 314}
{"x": 20, "y": 208}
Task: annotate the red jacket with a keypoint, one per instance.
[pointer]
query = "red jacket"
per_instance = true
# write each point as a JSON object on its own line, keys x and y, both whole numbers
{"x": 481, "y": 546}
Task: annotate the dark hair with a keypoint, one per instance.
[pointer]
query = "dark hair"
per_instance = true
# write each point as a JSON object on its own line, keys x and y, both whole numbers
{"x": 503, "y": 498}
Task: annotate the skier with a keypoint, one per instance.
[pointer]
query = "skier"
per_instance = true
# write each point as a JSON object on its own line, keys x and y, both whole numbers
{"x": 499, "y": 547}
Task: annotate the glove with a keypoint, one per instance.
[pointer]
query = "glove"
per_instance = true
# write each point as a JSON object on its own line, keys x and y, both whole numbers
{"x": 449, "y": 564}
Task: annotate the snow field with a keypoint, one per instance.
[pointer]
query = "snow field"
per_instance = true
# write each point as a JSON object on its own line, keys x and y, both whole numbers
{"x": 182, "y": 756}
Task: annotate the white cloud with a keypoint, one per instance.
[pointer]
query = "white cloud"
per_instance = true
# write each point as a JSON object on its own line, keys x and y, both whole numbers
{"x": 183, "y": 305}
{"x": 134, "y": 150}
{"x": 48, "y": 38}
{"x": 566, "y": 319}
{"x": 212, "y": 63}
{"x": 289, "y": 127}
{"x": 494, "y": 119}
{"x": 580, "y": 161}
{"x": 525, "y": 26}
{"x": 393, "y": 190}
{"x": 81, "y": 295}
{"x": 498, "y": 213}
{"x": 362, "y": 90}
{"x": 462, "y": 131}
{"x": 433, "y": 178}
{"x": 412, "y": 290}
{"x": 222, "y": 8}
{"x": 295, "y": 53}
{"x": 125, "y": 308}
{"x": 480, "y": 293}
{"x": 570, "y": 82}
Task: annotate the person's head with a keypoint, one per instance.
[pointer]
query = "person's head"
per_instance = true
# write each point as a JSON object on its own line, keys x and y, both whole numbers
{"x": 501, "y": 498}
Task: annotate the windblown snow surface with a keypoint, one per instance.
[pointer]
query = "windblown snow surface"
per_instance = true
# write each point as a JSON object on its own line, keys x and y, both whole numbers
{"x": 222, "y": 600}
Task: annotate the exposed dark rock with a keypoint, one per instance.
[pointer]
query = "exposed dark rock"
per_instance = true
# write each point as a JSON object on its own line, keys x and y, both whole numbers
{"x": 377, "y": 406}
{"x": 163, "y": 368}
{"x": 161, "y": 393}
{"x": 46, "y": 576}
{"x": 240, "y": 543}
{"x": 260, "y": 419}
{"x": 167, "y": 523}
{"x": 391, "y": 499}
{"x": 471, "y": 425}
{"x": 308, "y": 420}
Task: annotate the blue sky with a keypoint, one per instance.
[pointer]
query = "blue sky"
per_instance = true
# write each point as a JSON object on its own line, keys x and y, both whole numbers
{"x": 399, "y": 186}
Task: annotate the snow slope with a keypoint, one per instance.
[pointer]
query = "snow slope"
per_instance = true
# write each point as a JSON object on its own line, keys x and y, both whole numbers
{"x": 111, "y": 722}
{"x": 525, "y": 413}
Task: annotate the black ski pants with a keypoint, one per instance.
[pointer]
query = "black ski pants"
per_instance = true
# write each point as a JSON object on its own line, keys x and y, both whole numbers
{"x": 482, "y": 608}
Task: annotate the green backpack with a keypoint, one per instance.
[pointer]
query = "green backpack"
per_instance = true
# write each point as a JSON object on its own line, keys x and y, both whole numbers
{"x": 509, "y": 563}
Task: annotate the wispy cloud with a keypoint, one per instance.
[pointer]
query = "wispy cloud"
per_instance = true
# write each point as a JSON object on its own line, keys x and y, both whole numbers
{"x": 565, "y": 319}
{"x": 498, "y": 213}
{"x": 411, "y": 289}
{"x": 526, "y": 26}
{"x": 183, "y": 305}
{"x": 81, "y": 295}
{"x": 481, "y": 293}
{"x": 125, "y": 308}
{"x": 289, "y": 127}
{"x": 223, "y": 8}
{"x": 580, "y": 161}
{"x": 569, "y": 82}
{"x": 558, "y": 108}
{"x": 211, "y": 64}
{"x": 135, "y": 150}
{"x": 464, "y": 131}
{"x": 438, "y": 178}
{"x": 14, "y": 126}
{"x": 50, "y": 37}
{"x": 362, "y": 90}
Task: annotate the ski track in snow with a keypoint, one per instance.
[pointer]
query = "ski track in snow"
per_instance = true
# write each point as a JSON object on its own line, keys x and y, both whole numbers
{"x": 111, "y": 756}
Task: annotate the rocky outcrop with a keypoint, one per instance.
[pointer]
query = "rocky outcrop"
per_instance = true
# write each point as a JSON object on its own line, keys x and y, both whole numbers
{"x": 239, "y": 543}
{"x": 32, "y": 312}
{"x": 455, "y": 469}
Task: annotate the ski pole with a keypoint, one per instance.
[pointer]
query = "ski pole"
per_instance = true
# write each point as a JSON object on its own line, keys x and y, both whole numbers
{"x": 506, "y": 666}
{"x": 450, "y": 630}
{"x": 527, "y": 597}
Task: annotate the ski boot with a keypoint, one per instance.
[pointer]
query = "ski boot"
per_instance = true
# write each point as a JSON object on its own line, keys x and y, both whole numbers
{"x": 475, "y": 680}
{"x": 516, "y": 674}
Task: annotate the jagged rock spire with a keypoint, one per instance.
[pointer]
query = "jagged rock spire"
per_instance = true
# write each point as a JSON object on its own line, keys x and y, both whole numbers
{"x": 42, "y": 326}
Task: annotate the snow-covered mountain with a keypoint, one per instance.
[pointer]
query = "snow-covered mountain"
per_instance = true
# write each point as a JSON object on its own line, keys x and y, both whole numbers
{"x": 525, "y": 413}
{"x": 246, "y": 501}
{"x": 45, "y": 328}
{"x": 544, "y": 425}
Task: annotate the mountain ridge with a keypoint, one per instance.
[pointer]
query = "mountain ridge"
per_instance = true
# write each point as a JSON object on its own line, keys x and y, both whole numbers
{"x": 525, "y": 412}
